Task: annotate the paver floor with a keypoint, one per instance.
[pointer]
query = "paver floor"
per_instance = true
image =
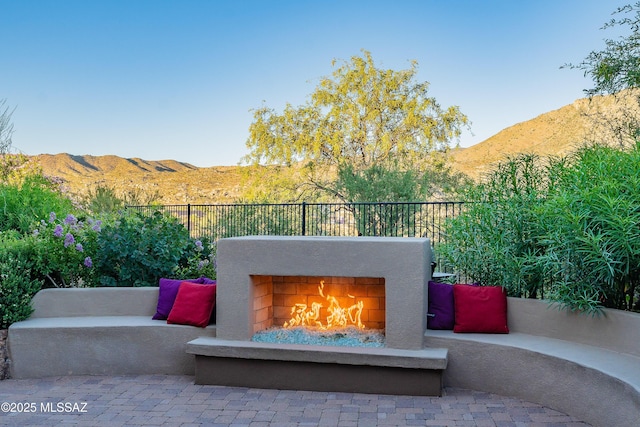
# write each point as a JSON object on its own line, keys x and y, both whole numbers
{"x": 147, "y": 400}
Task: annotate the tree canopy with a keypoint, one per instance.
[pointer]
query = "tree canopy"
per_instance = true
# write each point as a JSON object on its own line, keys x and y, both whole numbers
{"x": 617, "y": 66}
{"x": 360, "y": 117}
{"x": 11, "y": 164}
{"x": 6, "y": 127}
{"x": 615, "y": 71}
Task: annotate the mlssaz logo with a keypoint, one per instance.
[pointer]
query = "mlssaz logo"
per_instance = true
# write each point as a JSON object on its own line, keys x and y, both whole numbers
{"x": 65, "y": 407}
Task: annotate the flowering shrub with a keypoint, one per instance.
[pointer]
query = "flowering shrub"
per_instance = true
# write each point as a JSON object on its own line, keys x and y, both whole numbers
{"x": 201, "y": 260}
{"x": 64, "y": 250}
{"x": 43, "y": 245}
{"x": 137, "y": 250}
{"x": 126, "y": 249}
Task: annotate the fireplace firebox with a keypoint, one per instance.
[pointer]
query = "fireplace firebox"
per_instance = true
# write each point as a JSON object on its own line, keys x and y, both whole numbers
{"x": 318, "y": 302}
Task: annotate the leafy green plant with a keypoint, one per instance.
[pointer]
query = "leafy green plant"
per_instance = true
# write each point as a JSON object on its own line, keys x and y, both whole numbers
{"x": 64, "y": 250}
{"x": 379, "y": 184}
{"x": 564, "y": 229}
{"x": 17, "y": 282}
{"x": 591, "y": 230}
{"x": 201, "y": 260}
{"x": 493, "y": 241}
{"x": 137, "y": 249}
{"x": 102, "y": 199}
{"x": 105, "y": 199}
{"x": 21, "y": 205}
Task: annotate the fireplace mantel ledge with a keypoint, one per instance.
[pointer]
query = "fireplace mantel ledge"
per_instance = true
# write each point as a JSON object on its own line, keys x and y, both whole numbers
{"x": 425, "y": 358}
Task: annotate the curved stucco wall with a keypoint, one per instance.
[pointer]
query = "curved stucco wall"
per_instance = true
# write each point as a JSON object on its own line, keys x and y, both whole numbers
{"x": 613, "y": 329}
{"x": 585, "y": 366}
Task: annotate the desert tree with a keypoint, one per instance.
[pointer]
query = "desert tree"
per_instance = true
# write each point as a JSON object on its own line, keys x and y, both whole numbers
{"x": 6, "y": 132}
{"x": 361, "y": 122}
{"x": 12, "y": 164}
{"x": 615, "y": 70}
{"x": 6, "y": 127}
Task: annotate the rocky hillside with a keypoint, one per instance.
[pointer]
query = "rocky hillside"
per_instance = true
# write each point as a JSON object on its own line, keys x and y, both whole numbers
{"x": 174, "y": 182}
{"x": 556, "y": 132}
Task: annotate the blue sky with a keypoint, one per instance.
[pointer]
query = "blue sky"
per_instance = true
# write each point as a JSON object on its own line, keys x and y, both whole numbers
{"x": 177, "y": 79}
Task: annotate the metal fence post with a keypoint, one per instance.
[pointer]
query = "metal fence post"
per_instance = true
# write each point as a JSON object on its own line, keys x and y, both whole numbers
{"x": 189, "y": 218}
{"x": 304, "y": 218}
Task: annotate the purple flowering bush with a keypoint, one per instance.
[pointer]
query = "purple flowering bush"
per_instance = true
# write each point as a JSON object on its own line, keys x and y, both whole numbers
{"x": 75, "y": 250}
{"x": 64, "y": 250}
{"x": 200, "y": 260}
{"x": 122, "y": 249}
{"x": 137, "y": 250}
{"x": 48, "y": 241}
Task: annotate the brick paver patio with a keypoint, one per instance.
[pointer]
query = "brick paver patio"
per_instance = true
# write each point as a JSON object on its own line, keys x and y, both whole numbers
{"x": 147, "y": 400}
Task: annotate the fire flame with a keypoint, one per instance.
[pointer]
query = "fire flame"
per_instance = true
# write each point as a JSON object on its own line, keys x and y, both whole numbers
{"x": 338, "y": 317}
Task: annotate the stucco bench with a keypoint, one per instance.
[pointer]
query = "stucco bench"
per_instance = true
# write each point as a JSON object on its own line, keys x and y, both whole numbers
{"x": 588, "y": 367}
{"x": 99, "y": 331}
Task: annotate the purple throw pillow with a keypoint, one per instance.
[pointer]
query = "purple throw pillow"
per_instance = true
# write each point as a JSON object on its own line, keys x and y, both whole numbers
{"x": 441, "y": 309}
{"x": 167, "y": 292}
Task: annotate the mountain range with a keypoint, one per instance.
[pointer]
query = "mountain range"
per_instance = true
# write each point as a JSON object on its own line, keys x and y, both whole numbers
{"x": 553, "y": 133}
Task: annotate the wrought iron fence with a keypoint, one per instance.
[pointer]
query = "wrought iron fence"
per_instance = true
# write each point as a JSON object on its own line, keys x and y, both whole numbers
{"x": 397, "y": 219}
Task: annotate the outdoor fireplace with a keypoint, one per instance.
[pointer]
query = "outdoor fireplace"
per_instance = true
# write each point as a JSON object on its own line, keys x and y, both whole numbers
{"x": 395, "y": 267}
{"x": 265, "y": 281}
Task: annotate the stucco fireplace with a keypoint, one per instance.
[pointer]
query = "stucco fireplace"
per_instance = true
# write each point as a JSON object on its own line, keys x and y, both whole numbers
{"x": 256, "y": 274}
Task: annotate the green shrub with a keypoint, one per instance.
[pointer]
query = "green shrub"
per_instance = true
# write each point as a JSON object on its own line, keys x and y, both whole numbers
{"x": 17, "y": 284}
{"x": 106, "y": 199}
{"x": 591, "y": 230}
{"x": 493, "y": 241}
{"x": 102, "y": 199}
{"x": 564, "y": 229}
{"x": 200, "y": 260}
{"x": 64, "y": 250}
{"x": 22, "y": 205}
{"x": 137, "y": 250}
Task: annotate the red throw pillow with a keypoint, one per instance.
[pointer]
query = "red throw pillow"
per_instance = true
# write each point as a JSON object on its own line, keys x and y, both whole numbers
{"x": 194, "y": 304}
{"x": 167, "y": 291}
{"x": 480, "y": 309}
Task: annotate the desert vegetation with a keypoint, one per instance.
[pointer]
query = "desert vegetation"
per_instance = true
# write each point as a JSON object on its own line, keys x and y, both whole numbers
{"x": 562, "y": 228}
{"x": 48, "y": 239}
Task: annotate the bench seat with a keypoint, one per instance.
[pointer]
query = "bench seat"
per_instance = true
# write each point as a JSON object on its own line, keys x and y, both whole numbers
{"x": 552, "y": 359}
{"x": 71, "y": 333}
